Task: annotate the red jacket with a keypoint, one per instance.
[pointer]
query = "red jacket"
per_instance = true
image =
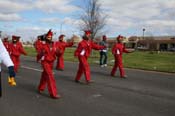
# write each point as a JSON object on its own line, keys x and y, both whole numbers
{"x": 118, "y": 49}
{"x": 62, "y": 45}
{"x": 16, "y": 49}
{"x": 6, "y": 44}
{"x": 38, "y": 45}
{"x": 85, "y": 47}
{"x": 48, "y": 54}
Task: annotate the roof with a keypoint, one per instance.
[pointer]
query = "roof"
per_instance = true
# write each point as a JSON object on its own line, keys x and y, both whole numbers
{"x": 152, "y": 37}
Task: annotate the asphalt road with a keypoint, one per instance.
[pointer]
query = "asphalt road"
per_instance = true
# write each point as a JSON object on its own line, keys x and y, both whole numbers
{"x": 143, "y": 93}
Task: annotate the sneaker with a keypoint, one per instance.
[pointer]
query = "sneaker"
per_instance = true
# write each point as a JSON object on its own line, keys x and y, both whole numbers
{"x": 11, "y": 81}
{"x": 125, "y": 76}
{"x": 90, "y": 81}
{"x": 59, "y": 69}
{"x": 55, "y": 97}
{"x": 105, "y": 65}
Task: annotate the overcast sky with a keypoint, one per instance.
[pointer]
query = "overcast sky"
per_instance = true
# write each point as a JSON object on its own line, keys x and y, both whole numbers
{"x": 28, "y": 18}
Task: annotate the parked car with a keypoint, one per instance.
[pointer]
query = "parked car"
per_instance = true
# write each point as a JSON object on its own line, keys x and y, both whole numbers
{"x": 171, "y": 49}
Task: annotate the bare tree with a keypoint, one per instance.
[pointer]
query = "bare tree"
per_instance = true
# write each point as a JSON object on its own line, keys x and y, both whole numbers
{"x": 92, "y": 17}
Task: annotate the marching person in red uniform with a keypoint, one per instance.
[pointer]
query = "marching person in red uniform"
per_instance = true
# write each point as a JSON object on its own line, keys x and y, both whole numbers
{"x": 48, "y": 53}
{"x": 15, "y": 50}
{"x": 83, "y": 52}
{"x": 38, "y": 46}
{"x": 6, "y": 43}
{"x": 117, "y": 51}
{"x": 62, "y": 46}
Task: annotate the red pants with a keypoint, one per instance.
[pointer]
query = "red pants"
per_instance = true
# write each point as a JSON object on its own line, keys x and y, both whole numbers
{"x": 118, "y": 63}
{"x": 83, "y": 68}
{"x": 47, "y": 77}
{"x": 16, "y": 62}
{"x": 60, "y": 62}
{"x": 38, "y": 57}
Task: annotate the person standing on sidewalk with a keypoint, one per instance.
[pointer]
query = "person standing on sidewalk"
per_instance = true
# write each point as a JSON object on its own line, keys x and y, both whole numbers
{"x": 103, "y": 52}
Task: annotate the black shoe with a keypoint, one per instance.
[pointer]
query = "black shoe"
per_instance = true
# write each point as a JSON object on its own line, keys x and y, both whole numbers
{"x": 40, "y": 91}
{"x": 77, "y": 81}
{"x": 59, "y": 69}
{"x": 112, "y": 75}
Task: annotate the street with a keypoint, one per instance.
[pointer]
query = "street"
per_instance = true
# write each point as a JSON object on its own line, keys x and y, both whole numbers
{"x": 143, "y": 93}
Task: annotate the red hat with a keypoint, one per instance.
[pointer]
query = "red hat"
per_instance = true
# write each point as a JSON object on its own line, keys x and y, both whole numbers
{"x": 87, "y": 32}
{"x": 119, "y": 37}
{"x": 50, "y": 33}
{"x": 15, "y": 38}
{"x": 61, "y": 36}
{"x": 104, "y": 37}
{"x": 5, "y": 38}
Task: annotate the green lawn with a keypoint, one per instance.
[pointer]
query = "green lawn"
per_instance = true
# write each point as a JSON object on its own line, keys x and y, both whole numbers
{"x": 30, "y": 51}
{"x": 164, "y": 61}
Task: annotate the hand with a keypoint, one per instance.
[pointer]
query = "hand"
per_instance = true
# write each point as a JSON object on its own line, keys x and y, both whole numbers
{"x": 25, "y": 54}
{"x": 72, "y": 40}
{"x": 133, "y": 50}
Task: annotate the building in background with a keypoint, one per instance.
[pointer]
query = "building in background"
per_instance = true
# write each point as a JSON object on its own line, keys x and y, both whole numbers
{"x": 157, "y": 43}
{"x": 76, "y": 40}
{"x": 154, "y": 43}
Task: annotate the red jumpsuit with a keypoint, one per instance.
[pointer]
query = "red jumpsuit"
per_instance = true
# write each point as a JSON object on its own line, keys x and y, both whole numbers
{"x": 15, "y": 50}
{"x": 83, "y": 52}
{"x": 38, "y": 47}
{"x": 117, "y": 51}
{"x": 62, "y": 46}
{"x": 48, "y": 54}
{"x": 6, "y": 44}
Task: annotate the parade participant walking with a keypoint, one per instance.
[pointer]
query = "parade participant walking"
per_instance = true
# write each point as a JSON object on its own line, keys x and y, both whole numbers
{"x": 6, "y": 43}
{"x": 62, "y": 46}
{"x": 48, "y": 56}
{"x": 117, "y": 51}
{"x": 5, "y": 59}
{"x": 15, "y": 51}
{"x": 38, "y": 46}
{"x": 83, "y": 52}
{"x": 103, "y": 52}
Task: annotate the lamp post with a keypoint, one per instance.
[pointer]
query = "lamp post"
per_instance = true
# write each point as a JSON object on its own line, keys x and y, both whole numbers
{"x": 0, "y": 75}
{"x": 0, "y": 33}
{"x": 143, "y": 32}
{"x": 61, "y": 27}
